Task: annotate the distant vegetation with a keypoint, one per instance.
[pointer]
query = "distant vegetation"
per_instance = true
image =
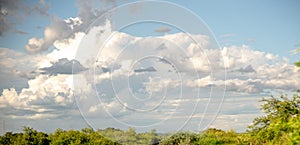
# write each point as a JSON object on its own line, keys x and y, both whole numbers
{"x": 280, "y": 125}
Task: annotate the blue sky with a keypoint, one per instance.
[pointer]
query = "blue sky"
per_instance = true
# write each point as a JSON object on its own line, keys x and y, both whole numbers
{"x": 50, "y": 52}
{"x": 271, "y": 26}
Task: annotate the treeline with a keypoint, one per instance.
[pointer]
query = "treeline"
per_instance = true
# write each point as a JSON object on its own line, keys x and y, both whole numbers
{"x": 88, "y": 136}
{"x": 280, "y": 125}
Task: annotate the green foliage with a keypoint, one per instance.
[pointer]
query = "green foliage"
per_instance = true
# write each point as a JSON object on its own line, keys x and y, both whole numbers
{"x": 130, "y": 137}
{"x": 297, "y": 64}
{"x": 281, "y": 124}
{"x": 181, "y": 138}
{"x": 86, "y": 136}
{"x": 32, "y": 137}
{"x": 29, "y": 137}
{"x": 216, "y": 136}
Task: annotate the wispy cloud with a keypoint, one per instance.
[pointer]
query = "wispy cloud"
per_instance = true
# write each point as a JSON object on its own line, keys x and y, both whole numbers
{"x": 250, "y": 40}
{"x": 227, "y": 35}
{"x": 21, "y": 32}
{"x": 162, "y": 30}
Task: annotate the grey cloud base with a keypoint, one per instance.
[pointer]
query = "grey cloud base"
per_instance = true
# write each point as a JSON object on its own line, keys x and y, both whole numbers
{"x": 64, "y": 66}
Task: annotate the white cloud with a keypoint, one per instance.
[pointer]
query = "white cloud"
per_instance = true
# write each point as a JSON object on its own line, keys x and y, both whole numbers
{"x": 271, "y": 72}
{"x": 66, "y": 49}
{"x": 35, "y": 116}
{"x": 114, "y": 107}
{"x": 202, "y": 82}
{"x": 42, "y": 94}
{"x": 161, "y": 84}
{"x": 265, "y": 64}
{"x": 180, "y": 65}
{"x": 10, "y": 59}
{"x": 17, "y": 68}
{"x": 237, "y": 56}
{"x": 59, "y": 30}
{"x": 63, "y": 30}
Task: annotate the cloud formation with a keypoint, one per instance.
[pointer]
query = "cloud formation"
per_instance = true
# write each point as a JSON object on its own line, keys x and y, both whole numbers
{"x": 64, "y": 29}
{"x": 13, "y": 12}
{"x": 247, "y": 69}
{"x": 58, "y": 30}
{"x": 64, "y": 66}
{"x": 111, "y": 85}
{"x": 54, "y": 94}
{"x": 17, "y": 68}
{"x": 148, "y": 69}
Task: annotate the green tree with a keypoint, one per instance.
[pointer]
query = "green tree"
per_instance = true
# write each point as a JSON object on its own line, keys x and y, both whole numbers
{"x": 73, "y": 137}
{"x": 7, "y": 138}
{"x": 33, "y": 137}
{"x": 297, "y": 64}
{"x": 277, "y": 126}
{"x": 217, "y": 136}
{"x": 180, "y": 138}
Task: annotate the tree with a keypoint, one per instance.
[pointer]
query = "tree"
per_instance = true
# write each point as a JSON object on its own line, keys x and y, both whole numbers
{"x": 297, "y": 64}
{"x": 7, "y": 138}
{"x": 180, "y": 138}
{"x": 74, "y": 137}
{"x": 217, "y": 136}
{"x": 278, "y": 124}
{"x": 33, "y": 137}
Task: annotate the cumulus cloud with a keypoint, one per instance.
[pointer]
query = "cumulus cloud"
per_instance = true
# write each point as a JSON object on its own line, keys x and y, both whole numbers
{"x": 179, "y": 65}
{"x": 259, "y": 71}
{"x": 106, "y": 66}
{"x": 184, "y": 59}
{"x": 161, "y": 47}
{"x": 64, "y": 29}
{"x": 114, "y": 107}
{"x": 26, "y": 75}
{"x": 58, "y": 30}
{"x": 55, "y": 93}
{"x": 271, "y": 72}
{"x": 202, "y": 82}
{"x": 17, "y": 68}
{"x": 64, "y": 66}
{"x": 31, "y": 94}
{"x": 247, "y": 69}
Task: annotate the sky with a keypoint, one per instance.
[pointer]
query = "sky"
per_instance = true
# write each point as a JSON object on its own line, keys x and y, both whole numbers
{"x": 168, "y": 65}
